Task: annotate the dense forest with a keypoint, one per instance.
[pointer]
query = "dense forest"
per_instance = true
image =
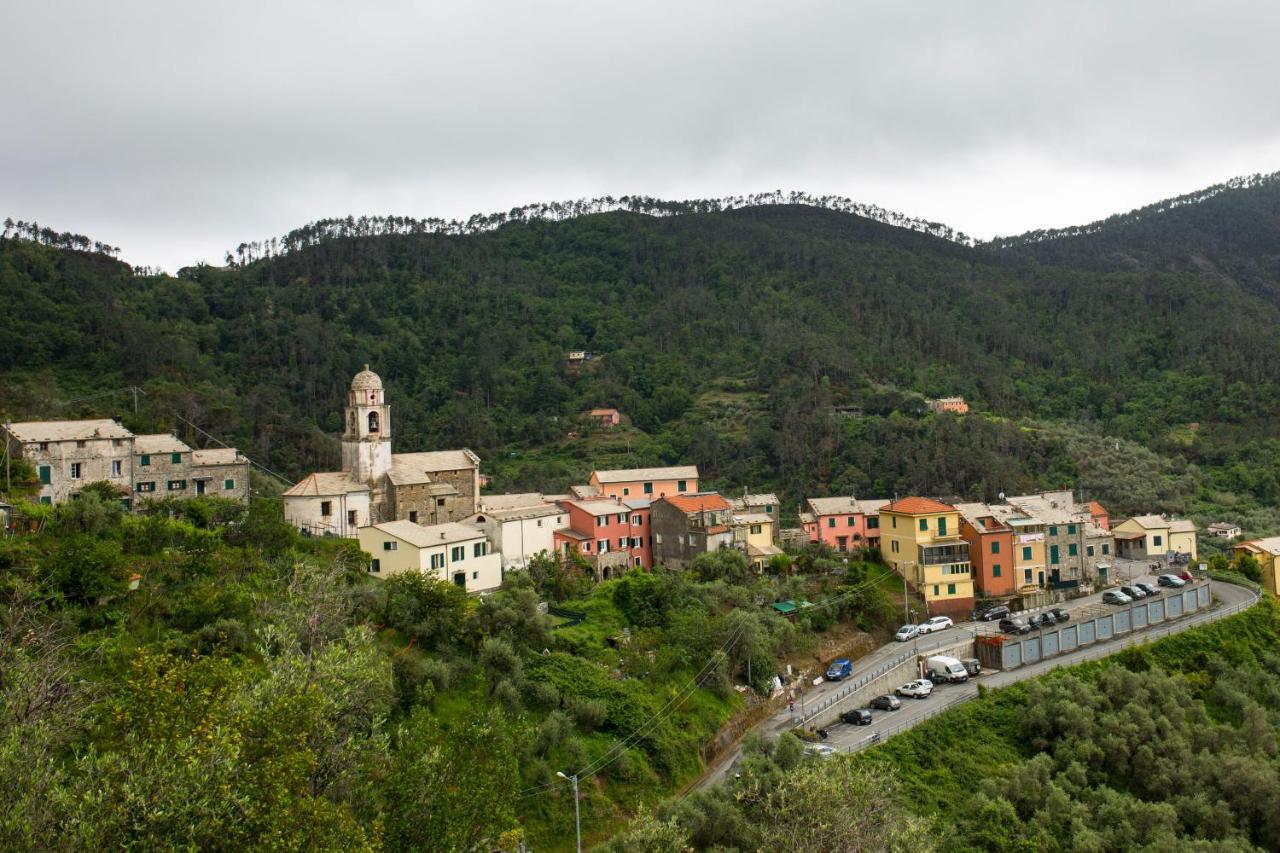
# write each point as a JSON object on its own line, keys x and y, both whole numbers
{"x": 778, "y": 346}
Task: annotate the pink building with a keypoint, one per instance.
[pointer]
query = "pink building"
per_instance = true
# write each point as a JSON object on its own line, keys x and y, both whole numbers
{"x": 646, "y": 483}
{"x": 843, "y": 523}
{"x": 607, "y": 418}
{"x": 613, "y": 534}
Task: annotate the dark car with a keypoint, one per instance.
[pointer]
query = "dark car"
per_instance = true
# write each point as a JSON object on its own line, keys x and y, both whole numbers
{"x": 886, "y": 703}
{"x": 1059, "y": 614}
{"x": 856, "y": 717}
{"x": 1014, "y": 625}
{"x": 1133, "y": 592}
{"x": 999, "y": 611}
{"x": 1171, "y": 581}
{"x": 1147, "y": 588}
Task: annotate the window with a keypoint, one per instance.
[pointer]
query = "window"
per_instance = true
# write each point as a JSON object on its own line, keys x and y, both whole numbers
{"x": 437, "y": 561}
{"x": 175, "y": 458}
{"x": 1106, "y": 549}
{"x": 475, "y": 576}
{"x": 1026, "y": 552}
{"x": 457, "y": 553}
{"x": 622, "y": 542}
{"x": 479, "y": 549}
{"x": 117, "y": 467}
{"x": 648, "y": 488}
{"x": 693, "y": 540}
{"x": 935, "y": 589}
{"x": 1072, "y": 550}
{"x": 681, "y": 486}
{"x": 768, "y": 509}
{"x": 602, "y": 546}
{"x": 893, "y": 546}
{"x": 995, "y": 547}
{"x": 413, "y": 516}
{"x": 635, "y": 519}
{"x": 1053, "y": 554}
{"x": 831, "y": 521}
{"x": 177, "y": 485}
{"x": 145, "y": 460}
{"x": 439, "y": 501}
{"x": 1027, "y": 574}
{"x": 622, "y": 518}
{"x": 375, "y": 566}
{"x": 586, "y": 547}
{"x": 951, "y": 589}
{"x": 539, "y": 522}
{"x": 995, "y": 570}
{"x": 1053, "y": 531}
{"x": 46, "y": 500}
{"x": 326, "y": 509}
{"x": 658, "y": 538}
{"x": 625, "y": 491}
{"x": 82, "y": 443}
{"x": 145, "y": 487}
{"x": 637, "y": 541}
{"x": 924, "y": 524}
{"x": 873, "y": 522}
{"x": 1159, "y": 540}
{"x": 373, "y": 422}
{"x": 1088, "y": 550}
{"x": 601, "y": 519}
{"x": 391, "y": 546}
{"x": 1071, "y": 530}
{"x": 942, "y": 527}
{"x": 117, "y": 442}
{"x": 351, "y": 517}
{"x": 44, "y": 447}
{"x": 895, "y": 521}
{"x": 75, "y": 470}
{"x": 756, "y": 528}
{"x": 852, "y": 523}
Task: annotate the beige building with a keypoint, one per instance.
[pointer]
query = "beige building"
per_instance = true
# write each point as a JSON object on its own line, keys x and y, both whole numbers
{"x": 376, "y": 485}
{"x": 68, "y": 455}
{"x": 451, "y": 552}
{"x": 1154, "y": 536}
{"x": 521, "y": 532}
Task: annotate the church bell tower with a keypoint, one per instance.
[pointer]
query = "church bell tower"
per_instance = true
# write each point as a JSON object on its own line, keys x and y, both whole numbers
{"x": 366, "y": 437}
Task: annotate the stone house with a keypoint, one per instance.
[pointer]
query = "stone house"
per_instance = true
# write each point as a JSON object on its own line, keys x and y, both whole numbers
{"x": 165, "y": 466}
{"x": 68, "y": 455}
{"x": 685, "y": 526}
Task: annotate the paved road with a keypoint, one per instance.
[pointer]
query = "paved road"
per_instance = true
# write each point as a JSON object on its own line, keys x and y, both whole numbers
{"x": 945, "y": 695}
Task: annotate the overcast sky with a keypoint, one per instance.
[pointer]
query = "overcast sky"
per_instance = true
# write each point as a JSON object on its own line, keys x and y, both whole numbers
{"x": 178, "y": 129}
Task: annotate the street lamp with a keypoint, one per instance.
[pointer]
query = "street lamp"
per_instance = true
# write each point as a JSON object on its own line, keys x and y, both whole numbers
{"x": 577, "y": 820}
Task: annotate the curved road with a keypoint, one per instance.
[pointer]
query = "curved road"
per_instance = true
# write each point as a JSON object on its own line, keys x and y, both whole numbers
{"x": 846, "y": 738}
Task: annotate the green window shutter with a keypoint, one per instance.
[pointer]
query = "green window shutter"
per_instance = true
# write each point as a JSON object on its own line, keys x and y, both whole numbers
{"x": 1159, "y": 541}
{"x": 1106, "y": 549}
{"x": 942, "y": 526}
{"x": 831, "y": 521}
{"x": 1053, "y": 531}
{"x": 228, "y": 485}
{"x": 1053, "y": 554}
{"x": 1071, "y": 529}
{"x": 145, "y": 460}
{"x": 46, "y": 500}
{"x": 1026, "y": 552}
{"x": 924, "y": 524}
{"x": 1072, "y": 550}
{"x": 46, "y": 474}
{"x": 995, "y": 570}
{"x": 680, "y": 485}
{"x": 175, "y": 458}
{"x": 935, "y": 589}
{"x": 995, "y": 547}
{"x": 951, "y": 589}
{"x": 648, "y": 488}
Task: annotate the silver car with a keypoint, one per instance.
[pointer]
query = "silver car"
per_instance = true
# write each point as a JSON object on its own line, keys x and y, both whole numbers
{"x": 907, "y": 632}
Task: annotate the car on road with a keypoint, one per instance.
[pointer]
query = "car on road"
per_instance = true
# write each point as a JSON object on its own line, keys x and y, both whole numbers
{"x": 991, "y": 614}
{"x": 840, "y": 668}
{"x": 1014, "y": 625}
{"x": 886, "y": 703}
{"x": 1059, "y": 614}
{"x": 1113, "y": 596}
{"x": 1147, "y": 588}
{"x": 820, "y": 750}
{"x": 1133, "y": 592}
{"x": 1171, "y": 581}
{"x": 918, "y": 689}
{"x": 937, "y": 623}
{"x": 907, "y": 632}
{"x": 856, "y": 717}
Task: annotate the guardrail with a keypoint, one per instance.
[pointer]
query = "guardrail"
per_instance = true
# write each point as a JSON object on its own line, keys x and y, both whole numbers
{"x": 575, "y": 617}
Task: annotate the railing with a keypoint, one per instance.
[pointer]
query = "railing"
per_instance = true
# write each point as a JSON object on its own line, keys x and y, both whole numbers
{"x": 574, "y": 617}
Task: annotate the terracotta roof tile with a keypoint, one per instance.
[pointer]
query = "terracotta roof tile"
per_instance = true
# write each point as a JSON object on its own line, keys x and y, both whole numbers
{"x": 917, "y": 506}
{"x": 698, "y": 503}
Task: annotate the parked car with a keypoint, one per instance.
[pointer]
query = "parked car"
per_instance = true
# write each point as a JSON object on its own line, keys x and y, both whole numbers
{"x": 1060, "y": 614}
{"x": 1171, "y": 581}
{"x": 856, "y": 717}
{"x": 840, "y": 668}
{"x": 972, "y": 666}
{"x": 1014, "y": 625}
{"x": 1113, "y": 596}
{"x": 1147, "y": 588}
{"x": 885, "y": 703}
{"x": 991, "y": 614}
{"x": 918, "y": 689}
{"x": 907, "y": 632}
{"x": 1037, "y": 621}
{"x": 819, "y": 750}
{"x": 1133, "y": 592}
{"x": 937, "y": 623}
{"x": 1186, "y": 576}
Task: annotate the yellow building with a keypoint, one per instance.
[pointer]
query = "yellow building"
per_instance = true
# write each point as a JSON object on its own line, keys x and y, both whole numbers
{"x": 920, "y": 538}
{"x": 753, "y": 534}
{"x": 450, "y": 552}
{"x": 1150, "y": 536}
{"x": 1267, "y": 553}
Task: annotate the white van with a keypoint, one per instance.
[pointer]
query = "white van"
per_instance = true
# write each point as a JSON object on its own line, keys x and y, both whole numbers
{"x": 944, "y": 668}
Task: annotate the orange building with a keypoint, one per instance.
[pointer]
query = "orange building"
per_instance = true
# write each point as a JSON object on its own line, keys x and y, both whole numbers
{"x": 651, "y": 483}
{"x": 991, "y": 553}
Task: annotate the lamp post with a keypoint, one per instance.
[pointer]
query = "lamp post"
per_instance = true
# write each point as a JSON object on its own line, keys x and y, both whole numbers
{"x": 577, "y": 819}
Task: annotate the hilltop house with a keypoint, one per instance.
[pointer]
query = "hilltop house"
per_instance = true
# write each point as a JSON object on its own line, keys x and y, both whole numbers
{"x": 954, "y": 405}
{"x": 1224, "y": 530}
{"x": 607, "y": 418}
{"x": 920, "y": 538}
{"x": 165, "y": 466}
{"x": 449, "y": 552}
{"x": 1145, "y": 537}
{"x": 1267, "y": 553}
{"x": 843, "y": 523}
{"x": 376, "y": 485}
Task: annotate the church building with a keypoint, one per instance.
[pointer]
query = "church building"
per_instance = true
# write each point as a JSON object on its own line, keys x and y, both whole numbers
{"x": 376, "y": 485}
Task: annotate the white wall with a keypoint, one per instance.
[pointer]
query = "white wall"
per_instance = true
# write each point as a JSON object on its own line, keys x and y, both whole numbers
{"x": 303, "y": 512}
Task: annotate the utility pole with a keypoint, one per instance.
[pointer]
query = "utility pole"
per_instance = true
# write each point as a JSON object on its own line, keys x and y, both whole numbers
{"x": 577, "y": 820}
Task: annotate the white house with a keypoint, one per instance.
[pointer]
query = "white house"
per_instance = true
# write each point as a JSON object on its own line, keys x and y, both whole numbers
{"x": 450, "y": 552}
{"x": 329, "y": 503}
{"x": 519, "y": 533}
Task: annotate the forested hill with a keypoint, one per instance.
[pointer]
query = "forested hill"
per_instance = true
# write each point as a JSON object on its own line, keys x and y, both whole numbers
{"x": 1230, "y": 229}
{"x": 785, "y": 312}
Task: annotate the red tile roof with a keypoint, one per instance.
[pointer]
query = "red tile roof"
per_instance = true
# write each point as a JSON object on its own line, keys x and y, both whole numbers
{"x": 917, "y": 506}
{"x": 1096, "y": 508}
{"x": 698, "y": 503}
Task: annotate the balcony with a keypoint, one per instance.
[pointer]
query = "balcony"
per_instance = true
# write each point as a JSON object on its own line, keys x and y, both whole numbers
{"x": 941, "y": 555}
